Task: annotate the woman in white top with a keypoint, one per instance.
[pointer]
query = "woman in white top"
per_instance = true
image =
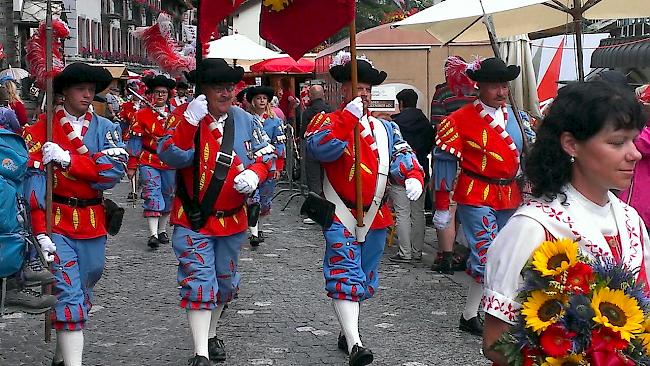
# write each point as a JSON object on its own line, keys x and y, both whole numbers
{"x": 585, "y": 148}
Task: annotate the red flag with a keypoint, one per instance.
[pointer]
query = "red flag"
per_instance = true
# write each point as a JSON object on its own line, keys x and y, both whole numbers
{"x": 298, "y": 26}
{"x": 547, "y": 88}
{"x": 212, "y": 12}
{"x": 2, "y": 52}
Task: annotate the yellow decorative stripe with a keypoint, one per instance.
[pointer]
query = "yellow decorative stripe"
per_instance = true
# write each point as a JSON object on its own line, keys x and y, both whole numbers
{"x": 474, "y": 145}
{"x": 277, "y": 5}
{"x": 92, "y": 218}
{"x": 483, "y": 162}
{"x": 57, "y": 216}
{"x": 365, "y": 168}
{"x": 495, "y": 156}
{"x": 206, "y": 152}
{"x": 470, "y": 187}
{"x": 75, "y": 219}
{"x": 485, "y": 137}
{"x": 486, "y": 192}
{"x": 180, "y": 213}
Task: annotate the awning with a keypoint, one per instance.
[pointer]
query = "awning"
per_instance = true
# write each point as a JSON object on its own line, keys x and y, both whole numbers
{"x": 627, "y": 52}
{"x": 118, "y": 71}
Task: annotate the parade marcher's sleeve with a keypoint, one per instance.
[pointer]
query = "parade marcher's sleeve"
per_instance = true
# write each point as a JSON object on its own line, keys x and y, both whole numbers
{"x": 263, "y": 153}
{"x": 447, "y": 153}
{"x": 105, "y": 168}
{"x": 404, "y": 164}
{"x": 280, "y": 142}
{"x": 176, "y": 149}
{"x": 134, "y": 145}
{"x": 327, "y": 135}
{"x": 507, "y": 256}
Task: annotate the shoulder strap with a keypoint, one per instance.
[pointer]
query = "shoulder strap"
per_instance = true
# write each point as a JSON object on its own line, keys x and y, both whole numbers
{"x": 197, "y": 213}
{"x": 224, "y": 161}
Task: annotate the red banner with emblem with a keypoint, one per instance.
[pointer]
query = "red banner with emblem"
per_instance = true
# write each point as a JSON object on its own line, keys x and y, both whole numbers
{"x": 297, "y": 26}
{"x": 212, "y": 12}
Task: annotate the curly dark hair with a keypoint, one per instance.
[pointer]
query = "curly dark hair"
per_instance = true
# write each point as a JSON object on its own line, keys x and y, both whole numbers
{"x": 582, "y": 109}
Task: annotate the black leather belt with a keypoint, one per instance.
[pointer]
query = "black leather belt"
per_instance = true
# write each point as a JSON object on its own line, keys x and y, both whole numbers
{"x": 497, "y": 181}
{"x": 77, "y": 202}
{"x": 226, "y": 213}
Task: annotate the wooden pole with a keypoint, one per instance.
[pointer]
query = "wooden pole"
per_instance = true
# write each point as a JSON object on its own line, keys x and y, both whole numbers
{"x": 357, "y": 134}
{"x": 48, "y": 134}
{"x": 577, "y": 28}
{"x": 199, "y": 48}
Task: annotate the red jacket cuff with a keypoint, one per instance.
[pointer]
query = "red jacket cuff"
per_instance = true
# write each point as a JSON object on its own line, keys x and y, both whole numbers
{"x": 344, "y": 126}
{"x": 260, "y": 169}
{"x": 38, "y": 221}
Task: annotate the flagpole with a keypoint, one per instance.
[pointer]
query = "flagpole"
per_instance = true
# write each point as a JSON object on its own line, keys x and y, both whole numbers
{"x": 357, "y": 135}
{"x": 47, "y": 289}
{"x": 199, "y": 48}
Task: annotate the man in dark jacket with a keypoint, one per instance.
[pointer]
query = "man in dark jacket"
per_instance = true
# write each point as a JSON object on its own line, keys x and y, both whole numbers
{"x": 418, "y": 132}
{"x": 312, "y": 167}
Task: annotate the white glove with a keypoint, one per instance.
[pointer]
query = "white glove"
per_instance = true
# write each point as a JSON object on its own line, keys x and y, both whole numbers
{"x": 441, "y": 219}
{"x": 47, "y": 246}
{"x": 54, "y": 152}
{"x": 413, "y": 189}
{"x": 355, "y": 107}
{"x": 196, "y": 110}
{"x": 246, "y": 182}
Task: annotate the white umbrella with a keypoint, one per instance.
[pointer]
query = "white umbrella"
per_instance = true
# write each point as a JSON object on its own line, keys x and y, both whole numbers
{"x": 239, "y": 47}
{"x": 516, "y": 51}
{"x": 460, "y": 20}
{"x": 15, "y": 73}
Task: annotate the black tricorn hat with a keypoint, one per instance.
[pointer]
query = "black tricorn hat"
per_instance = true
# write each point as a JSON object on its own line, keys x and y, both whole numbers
{"x": 257, "y": 90}
{"x": 80, "y": 72}
{"x": 158, "y": 80}
{"x": 242, "y": 94}
{"x": 494, "y": 70}
{"x": 215, "y": 71}
{"x": 365, "y": 73}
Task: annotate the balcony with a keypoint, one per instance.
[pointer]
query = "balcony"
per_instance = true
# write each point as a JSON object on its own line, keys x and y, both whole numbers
{"x": 112, "y": 9}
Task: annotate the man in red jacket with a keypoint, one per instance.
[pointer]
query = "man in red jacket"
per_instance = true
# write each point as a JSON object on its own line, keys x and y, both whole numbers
{"x": 222, "y": 155}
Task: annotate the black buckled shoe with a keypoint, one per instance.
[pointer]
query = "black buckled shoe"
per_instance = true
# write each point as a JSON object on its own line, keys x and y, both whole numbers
{"x": 153, "y": 242}
{"x": 57, "y": 363}
{"x": 256, "y": 240}
{"x": 445, "y": 264}
{"x": 163, "y": 238}
{"x": 343, "y": 343}
{"x": 360, "y": 356}
{"x": 473, "y": 326}
{"x": 216, "y": 350}
{"x": 199, "y": 361}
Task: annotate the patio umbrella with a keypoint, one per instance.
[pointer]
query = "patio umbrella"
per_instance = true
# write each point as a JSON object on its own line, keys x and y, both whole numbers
{"x": 15, "y": 73}
{"x": 516, "y": 51}
{"x": 460, "y": 20}
{"x": 239, "y": 47}
{"x": 285, "y": 64}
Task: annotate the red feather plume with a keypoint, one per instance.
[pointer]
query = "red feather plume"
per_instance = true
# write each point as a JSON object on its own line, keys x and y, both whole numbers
{"x": 35, "y": 54}
{"x": 456, "y": 74}
{"x": 161, "y": 47}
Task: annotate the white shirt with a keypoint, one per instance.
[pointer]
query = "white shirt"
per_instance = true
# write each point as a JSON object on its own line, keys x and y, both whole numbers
{"x": 76, "y": 122}
{"x": 517, "y": 241}
{"x": 496, "y": 114}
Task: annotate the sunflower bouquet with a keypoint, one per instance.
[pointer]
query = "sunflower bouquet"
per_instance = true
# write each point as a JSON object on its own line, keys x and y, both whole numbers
{"x": 578, "y": 311}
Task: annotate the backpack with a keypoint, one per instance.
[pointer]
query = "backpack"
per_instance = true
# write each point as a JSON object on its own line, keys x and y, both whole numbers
{"x": 13, "y": 165}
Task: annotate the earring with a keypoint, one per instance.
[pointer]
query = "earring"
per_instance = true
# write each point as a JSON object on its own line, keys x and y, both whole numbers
{"x": 573, "y": 159}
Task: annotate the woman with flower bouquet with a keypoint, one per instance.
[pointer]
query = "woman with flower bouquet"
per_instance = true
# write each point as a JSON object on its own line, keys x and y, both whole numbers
{"x": 566, "y": 278}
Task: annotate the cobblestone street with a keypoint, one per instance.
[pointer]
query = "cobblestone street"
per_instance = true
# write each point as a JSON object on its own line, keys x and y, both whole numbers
{"x": 282, "y": 316}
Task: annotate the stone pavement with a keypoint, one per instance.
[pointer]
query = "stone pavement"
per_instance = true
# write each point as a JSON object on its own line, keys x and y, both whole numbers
{"x": 282, "y": 316}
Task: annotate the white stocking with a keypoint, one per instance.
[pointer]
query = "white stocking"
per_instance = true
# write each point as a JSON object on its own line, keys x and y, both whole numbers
{"x": 199, "y": 327}
{"x": 153, "y": 225}
{"x": 348, "y": 314}
{"x": 71, "y": 343}
{"x": 254, "y": 230}
{"x": 162, "y": 223}
{"x": 214, "y": 320}
{"x": 474, "y": 296}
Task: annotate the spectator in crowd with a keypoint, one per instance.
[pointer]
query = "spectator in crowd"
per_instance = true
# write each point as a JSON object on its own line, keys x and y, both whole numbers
{"x": 584, "y": 149}
{"x": 288, "y": 102}
{"x": 419, "y": 134}
{"x": 275, "y": 103}
{"x": 8, "y": 119}
{"x": 113, "y": 102}
{"x": 454, "y": 93}
{"x": 313, "y": 170}
{"x": 15, "y": 102}
{"x": 637, "y": 195}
